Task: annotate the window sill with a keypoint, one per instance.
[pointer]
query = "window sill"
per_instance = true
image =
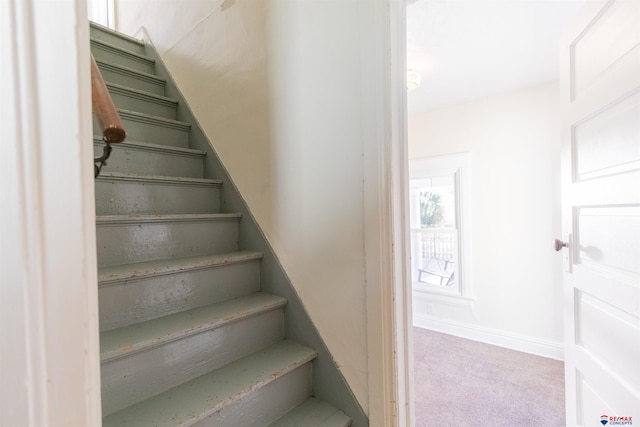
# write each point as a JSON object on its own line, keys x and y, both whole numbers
{"x": 443, "y": 296}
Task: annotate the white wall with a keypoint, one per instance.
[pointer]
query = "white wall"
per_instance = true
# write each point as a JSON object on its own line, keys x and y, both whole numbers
{"x": 514, "y": 141}
{"x": 276, "y": 85}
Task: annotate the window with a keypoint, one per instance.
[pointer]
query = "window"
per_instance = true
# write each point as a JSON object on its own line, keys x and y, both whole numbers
{"x": 102, "y": 12}
{"x": 439, "y": 224}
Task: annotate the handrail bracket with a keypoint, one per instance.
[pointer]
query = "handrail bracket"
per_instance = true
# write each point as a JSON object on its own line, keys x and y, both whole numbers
{"x": 102, "y": 160}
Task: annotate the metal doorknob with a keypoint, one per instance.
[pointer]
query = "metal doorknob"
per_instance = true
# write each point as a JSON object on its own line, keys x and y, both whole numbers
{"x": 559, "y": 244}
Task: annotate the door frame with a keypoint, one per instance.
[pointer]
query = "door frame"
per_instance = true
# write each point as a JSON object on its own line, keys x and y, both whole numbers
{"x": 49, "y": 297}
{"x": 388, "y": 294}
{"x": 61, "y": 394}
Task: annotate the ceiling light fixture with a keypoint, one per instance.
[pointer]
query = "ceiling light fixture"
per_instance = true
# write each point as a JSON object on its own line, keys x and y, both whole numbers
{"x": 413, "y": 79}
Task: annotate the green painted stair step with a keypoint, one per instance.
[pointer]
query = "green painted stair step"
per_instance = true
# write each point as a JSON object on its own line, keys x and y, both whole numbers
{"x": 156, "y": 130}
{"x": 140, "y": 292}
{"x": 144, "y": 158}
{"x": 123, "y": 342}
{"x": 127, "y": 239}
{"x": 127, "y": 98}
{"x": 102, "y": 33}
{"x": 130, "y": 77}
{"x": 142, "y": 360}
{"x": 248, "y": 392}
{"x": 313, "y": 413}
{"x": 126, "y": 193}
{"x": 107, "y": 52}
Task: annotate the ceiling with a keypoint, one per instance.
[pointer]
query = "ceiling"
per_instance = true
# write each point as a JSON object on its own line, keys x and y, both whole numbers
{"x": 469, "y": 49}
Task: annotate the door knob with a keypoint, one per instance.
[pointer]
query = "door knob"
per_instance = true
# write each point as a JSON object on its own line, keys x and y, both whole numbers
{"x": 559, "y": 244}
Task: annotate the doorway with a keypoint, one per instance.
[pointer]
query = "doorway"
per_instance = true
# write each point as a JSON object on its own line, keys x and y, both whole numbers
{"x": 487, "y": 77}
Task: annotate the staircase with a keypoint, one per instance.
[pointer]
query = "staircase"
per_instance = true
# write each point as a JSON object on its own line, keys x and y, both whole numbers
{"x": 188, "y": 335}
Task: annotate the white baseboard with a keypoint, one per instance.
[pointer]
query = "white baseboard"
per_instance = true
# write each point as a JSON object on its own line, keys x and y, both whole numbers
{"x": 509, "y": 340}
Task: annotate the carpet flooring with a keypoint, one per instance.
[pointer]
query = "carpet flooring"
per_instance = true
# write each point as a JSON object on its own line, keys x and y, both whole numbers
{"x": 459, "y": 382}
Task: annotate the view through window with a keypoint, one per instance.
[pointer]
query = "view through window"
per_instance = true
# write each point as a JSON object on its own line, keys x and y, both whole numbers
{"x": 435, "y": 239}
{"x": 436, "y": 217}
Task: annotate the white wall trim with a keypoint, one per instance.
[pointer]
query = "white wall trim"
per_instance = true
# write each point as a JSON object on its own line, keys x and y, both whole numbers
{"x": 433, "y": 294}
{"x": 48, "y": 297}
{"x": 386, "y": 221}
{"x": 378, "y": 227}
{"x": 553, "y": 350}
{"x": 399, "y": 165}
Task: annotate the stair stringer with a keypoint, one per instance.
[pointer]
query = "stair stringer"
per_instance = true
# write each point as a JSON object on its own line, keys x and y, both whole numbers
{"x": 328, "y": 382}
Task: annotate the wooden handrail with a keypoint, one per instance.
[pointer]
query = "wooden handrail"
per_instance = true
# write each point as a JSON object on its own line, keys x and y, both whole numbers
{"x": 104, "y": 109}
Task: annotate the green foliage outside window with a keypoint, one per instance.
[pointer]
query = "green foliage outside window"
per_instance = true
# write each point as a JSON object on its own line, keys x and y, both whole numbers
{"x": 431, "y": 211}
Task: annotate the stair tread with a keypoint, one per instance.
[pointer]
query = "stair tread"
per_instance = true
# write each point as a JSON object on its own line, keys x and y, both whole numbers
{"x": 207, "y": 394}
{"x": 164, "y": 218}
{"x": 159, "y": 267}
{"x": 123, "y": 176}
{"x": 129, "y": 70}
{"x": 141, "y": 93}
{"x": 115, "y": 32}
{"x": 151, "y": 117}
{"x": 126, "y": 51}
{"x": 154, "y": 147}
{"x": 313, "y": 412}
{"x": 131, "y": 339}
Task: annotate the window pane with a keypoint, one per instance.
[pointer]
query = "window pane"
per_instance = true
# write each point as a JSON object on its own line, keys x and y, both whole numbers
{"x": 437, "y": 202}
{"x": 434, "y": 234}
{"x": 438, "y": 250}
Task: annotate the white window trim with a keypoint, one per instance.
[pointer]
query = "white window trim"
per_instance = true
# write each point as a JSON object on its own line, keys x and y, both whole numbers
{"x": 459, "y": 165}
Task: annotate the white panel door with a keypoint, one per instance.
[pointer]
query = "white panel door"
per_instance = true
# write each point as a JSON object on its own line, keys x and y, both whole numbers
{"x": 601, "y": 215}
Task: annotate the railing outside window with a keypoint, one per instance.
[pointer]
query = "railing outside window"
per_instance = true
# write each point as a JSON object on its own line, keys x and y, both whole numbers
{"x": 438, "y": 253}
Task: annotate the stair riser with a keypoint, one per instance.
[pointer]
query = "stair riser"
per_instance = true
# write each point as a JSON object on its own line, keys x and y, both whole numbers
{"x": 115, "y": 197}
{"x": 116, "y": 40}
{"x": 132, "y": 379}
{"x": 265, "y": 404}
{"x": 137, "y": 159}
{"x": 131, "y": 243}
{"x": 136, "y": 102}
{"x": 155, "y": 133}
{"x": 120, "y": 57}
{"x": 133, "y": 301}
{"x": 132, "y": 80}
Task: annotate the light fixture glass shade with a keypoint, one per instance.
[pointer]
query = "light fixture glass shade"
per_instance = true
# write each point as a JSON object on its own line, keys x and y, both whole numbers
{"x": 413, "y": 79}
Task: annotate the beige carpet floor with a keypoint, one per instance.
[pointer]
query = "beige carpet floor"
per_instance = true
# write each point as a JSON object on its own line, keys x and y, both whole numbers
{"x": 459, "y": 382}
